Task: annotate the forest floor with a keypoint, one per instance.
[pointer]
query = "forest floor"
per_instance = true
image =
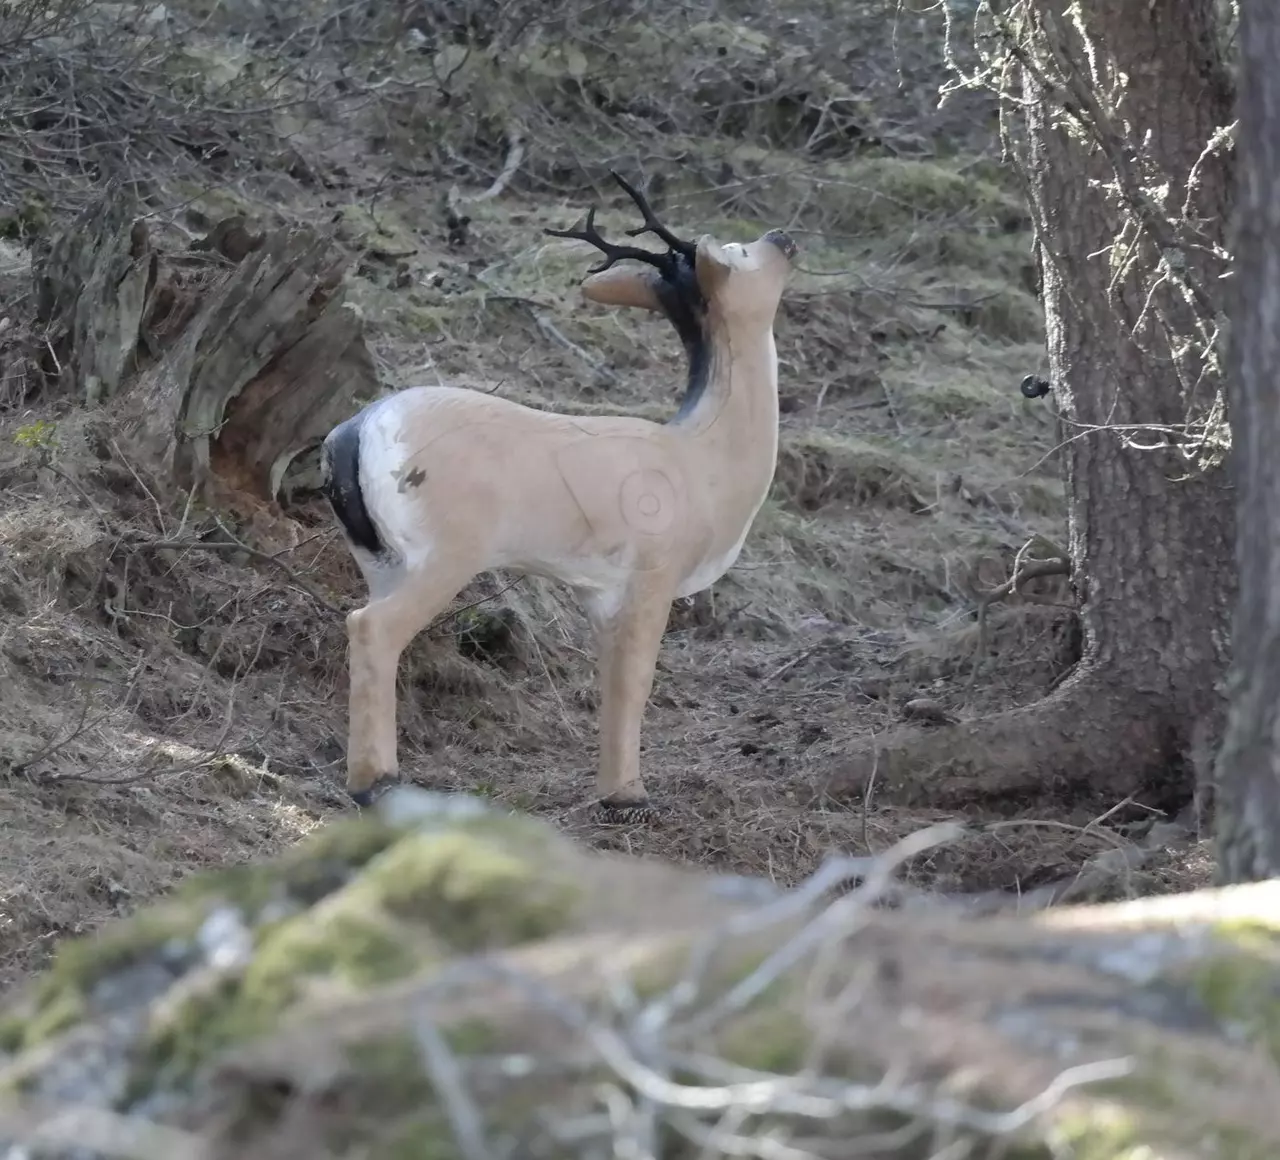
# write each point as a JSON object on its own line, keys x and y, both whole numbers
{"x": 164, "y": 711}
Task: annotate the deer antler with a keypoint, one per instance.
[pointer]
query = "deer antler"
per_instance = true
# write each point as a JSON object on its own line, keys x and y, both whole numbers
{"x": 587, "y": 232}
{"x": 651, "y": 223}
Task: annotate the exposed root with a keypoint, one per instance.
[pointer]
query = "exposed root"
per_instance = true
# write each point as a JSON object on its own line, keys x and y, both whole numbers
{"x": 1090, "y": 737}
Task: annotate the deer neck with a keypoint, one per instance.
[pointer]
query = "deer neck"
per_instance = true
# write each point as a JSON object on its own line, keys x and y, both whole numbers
{"x": 731, "y": 394}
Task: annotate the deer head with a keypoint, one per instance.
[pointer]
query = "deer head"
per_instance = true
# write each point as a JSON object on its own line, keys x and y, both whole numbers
{"x": 730, "y": 282}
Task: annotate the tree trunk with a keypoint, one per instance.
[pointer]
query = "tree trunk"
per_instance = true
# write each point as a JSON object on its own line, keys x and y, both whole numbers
{"x": 233, "y": 354}
{"x": 1150, "y": 541}
{"x": 1248, "y": 773}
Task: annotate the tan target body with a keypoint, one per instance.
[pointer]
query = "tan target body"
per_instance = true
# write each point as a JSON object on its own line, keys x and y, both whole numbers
{"x": 631, "y": 514}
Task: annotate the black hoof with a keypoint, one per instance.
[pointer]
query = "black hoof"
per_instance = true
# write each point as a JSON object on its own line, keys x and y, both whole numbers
{"x": 369, "y": 795}
{"x": 626, "y": 813}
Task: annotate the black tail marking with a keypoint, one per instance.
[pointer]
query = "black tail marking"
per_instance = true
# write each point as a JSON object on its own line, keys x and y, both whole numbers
{"x": 340, "y": 456}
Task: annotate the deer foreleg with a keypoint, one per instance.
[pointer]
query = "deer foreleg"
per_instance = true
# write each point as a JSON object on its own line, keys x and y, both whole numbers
{"x": 628, "y": 637}
{"x": 377, "y": 634}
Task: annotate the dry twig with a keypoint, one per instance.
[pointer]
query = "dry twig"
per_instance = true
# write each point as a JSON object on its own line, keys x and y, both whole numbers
{"x": 1025, "y": 568}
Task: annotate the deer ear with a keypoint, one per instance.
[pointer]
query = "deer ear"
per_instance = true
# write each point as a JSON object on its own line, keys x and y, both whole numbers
{"x": 620, "y": 286}
{"x": 711, "y": 265}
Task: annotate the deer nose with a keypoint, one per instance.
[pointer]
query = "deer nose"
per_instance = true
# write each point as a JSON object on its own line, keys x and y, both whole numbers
{"x": 784, "y": 241}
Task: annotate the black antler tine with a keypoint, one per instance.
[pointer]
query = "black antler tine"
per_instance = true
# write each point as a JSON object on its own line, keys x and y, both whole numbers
{"x": 651, "y": 222}
{"x": 586, "y": 231}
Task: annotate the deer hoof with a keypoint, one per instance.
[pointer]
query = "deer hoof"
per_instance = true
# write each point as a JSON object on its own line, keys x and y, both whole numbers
{"x": 625, "y": 813}
{"x": 366, "y": 797}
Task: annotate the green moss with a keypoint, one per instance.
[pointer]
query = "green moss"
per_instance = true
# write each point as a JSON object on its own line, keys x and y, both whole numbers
{"x": 329, "y": 944}
{"x": 64, "y": 1008}
{"x": 62, "y": 997}
{"x": 774, "y": 1039}
{"x": 390, "y": 1110}
{"x": 13, "y": 1031}
{"x": 394, "y": 1114}
{"x": 474, "y": 889}
{"x": 317, "y": 866}
{"x": 1145, "y": 1115}
{"x": 181, "y": 1038}
{"x": 477, "y": 883}
{"x": 1252, "y": 933}
{"x": 390, "y": 1070}
{"x": 425, "y": 1136}
{"x": 347, "y": 845}
{"x": 334, "y": 948}
{"x": 1097, "y": 1132}
{"x": 388, "y": 1078}
{"x": 358, "y": 950}
{"x": 41, "y": 435}
{"x": 1241, "y": 986}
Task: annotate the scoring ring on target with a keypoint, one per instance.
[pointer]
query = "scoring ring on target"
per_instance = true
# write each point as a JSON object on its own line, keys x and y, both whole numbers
{"x": 648, "y": 501}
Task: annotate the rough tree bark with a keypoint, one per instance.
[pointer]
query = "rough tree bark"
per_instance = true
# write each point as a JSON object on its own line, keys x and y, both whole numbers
{"x": 1248, "y": 772}
{"x": 234, "y": 353}
{"x": 1150, "y": 542}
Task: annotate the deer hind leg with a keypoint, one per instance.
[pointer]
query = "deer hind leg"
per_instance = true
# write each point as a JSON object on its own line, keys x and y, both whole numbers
{"x": 377, "y": 634}
{"x": 628, "y": 635}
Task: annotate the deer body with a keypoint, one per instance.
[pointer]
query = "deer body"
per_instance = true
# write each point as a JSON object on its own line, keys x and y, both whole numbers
{"x": 434, "y": 485}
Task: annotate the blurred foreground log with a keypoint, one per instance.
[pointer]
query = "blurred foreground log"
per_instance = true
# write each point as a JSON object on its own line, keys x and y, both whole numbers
{"x": 451, "y": 981}
{"x": 235, "y": 352}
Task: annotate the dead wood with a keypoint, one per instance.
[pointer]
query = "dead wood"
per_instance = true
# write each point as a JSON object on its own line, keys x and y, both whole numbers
{"x": 231, "y": 353}
{"x": 91, "y": 290}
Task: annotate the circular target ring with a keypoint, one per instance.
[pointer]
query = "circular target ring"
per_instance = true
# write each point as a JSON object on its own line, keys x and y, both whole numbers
{"x": 648, "y": 501}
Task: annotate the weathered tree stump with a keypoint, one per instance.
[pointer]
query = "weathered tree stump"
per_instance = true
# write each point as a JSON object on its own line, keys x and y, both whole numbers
{"x": 233, "y": 353}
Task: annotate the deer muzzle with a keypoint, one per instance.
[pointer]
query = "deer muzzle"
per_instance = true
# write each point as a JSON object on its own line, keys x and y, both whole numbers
{"x": 784, "y": 241}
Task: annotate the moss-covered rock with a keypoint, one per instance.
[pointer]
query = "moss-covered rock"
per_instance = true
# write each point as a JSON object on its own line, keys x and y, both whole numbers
{"x": 1240, "y": 982}
{"x": 406, "y": 984}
